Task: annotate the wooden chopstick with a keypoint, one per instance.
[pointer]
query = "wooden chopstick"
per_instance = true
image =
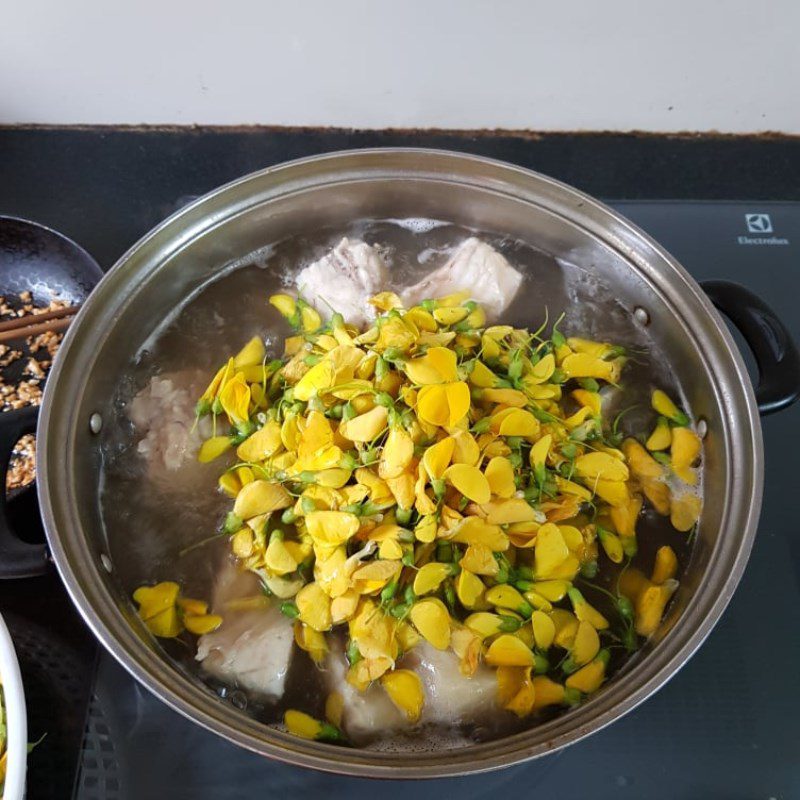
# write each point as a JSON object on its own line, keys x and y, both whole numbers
{"x": 35, "y": 324}
{"x": 34, "y": 319}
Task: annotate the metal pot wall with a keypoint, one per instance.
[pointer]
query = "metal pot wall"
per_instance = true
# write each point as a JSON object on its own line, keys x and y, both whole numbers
{"x": 194, "y": 244}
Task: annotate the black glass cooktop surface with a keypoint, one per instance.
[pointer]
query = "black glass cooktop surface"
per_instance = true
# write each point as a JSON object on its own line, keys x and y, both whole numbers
{"x": 727, "y": 725}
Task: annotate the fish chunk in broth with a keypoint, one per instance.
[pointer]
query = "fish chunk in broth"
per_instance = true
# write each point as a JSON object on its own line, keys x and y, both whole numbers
{"x": 344, "y": 279}
{"x": 452, "y": 699}
{"x": 253, "y": 647}
{"x": 476, "y": 267}
{"x": 168, "y": 433}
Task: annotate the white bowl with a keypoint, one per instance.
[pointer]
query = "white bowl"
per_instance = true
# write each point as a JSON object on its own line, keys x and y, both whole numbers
{"x": 16, "y": 721}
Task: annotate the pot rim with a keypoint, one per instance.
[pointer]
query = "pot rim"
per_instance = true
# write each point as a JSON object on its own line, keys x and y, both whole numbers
{"x": 82, "y": 572}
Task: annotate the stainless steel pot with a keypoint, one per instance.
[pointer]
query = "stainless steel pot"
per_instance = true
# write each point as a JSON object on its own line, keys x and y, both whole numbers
{"x": 194, "y": 244}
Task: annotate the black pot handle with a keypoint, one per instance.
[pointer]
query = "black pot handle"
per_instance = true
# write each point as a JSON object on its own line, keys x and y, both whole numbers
{"x": 775, "y": 352}
{"x": 18, "y": 559}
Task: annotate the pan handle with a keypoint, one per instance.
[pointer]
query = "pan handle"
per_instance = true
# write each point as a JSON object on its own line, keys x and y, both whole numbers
{"x": 775, "y": 352}
{"x": 18, "y": 559}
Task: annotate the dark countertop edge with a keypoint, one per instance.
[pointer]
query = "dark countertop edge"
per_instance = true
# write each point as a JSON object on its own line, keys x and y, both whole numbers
{"x": 125, "y": 180}
{"x": 468, "y": 133}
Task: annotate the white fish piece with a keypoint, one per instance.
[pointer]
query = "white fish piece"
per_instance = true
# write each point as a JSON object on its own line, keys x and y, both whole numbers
{"x": 475, "y": 267}
{"x": 344, "y": 280}
{"x": 366, "y": 714}
{"x": 163, "y": 413}
{"x": 253, "y": 647}
{"x": 451, "y": 698}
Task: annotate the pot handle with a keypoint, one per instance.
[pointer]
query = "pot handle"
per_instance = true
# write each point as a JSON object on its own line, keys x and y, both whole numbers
{"x": 18, "y": 559}
{"x": 775, "y": 352}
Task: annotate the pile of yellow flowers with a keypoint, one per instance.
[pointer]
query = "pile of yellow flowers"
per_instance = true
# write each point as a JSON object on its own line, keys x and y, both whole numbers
{"x": 433, "y": 478}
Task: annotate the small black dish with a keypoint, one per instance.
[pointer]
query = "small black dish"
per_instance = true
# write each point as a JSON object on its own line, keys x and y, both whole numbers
{"x": 50, "y": 266}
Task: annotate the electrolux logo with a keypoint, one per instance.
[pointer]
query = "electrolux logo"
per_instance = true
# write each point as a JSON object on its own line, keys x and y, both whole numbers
{"x": 760, "y": 224}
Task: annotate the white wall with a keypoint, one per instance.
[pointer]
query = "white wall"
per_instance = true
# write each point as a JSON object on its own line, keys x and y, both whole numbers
{"x": 669, "y": 65}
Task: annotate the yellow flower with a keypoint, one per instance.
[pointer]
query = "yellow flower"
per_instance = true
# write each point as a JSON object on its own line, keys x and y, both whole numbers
{"x": 404, "y": 688}
{"x": 432, "y": 620}
{"x": 438, "y": 365}
{"x": 443, "y": 404}
{"x": 235, "y": 399}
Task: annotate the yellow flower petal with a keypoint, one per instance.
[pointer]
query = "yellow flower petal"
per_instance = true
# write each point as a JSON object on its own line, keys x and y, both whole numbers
{"x": 661, "y": 437}
{"x": 685, "y": 449}
{"x": 260, "y": 497}
{"x": 201, "y": 624}
{"x": 540, "y": 450}
{"x": 466, "y": 450}
{"x": 519, "y": 423}
{"x": 278, "y": 558}
{"x": 500, "y": 475}
{"x": 600, "y": 465}
{"x": 566, "y": 625}
{"x": 262, "y": 444}
{"x": 438, "y": 365}
{"x": 437, "y": 457}
{"x": 542, "y": 370}
{"x": 666, "y": 565}
{"x": 481, "y": 376}
{"x": 450, "y": 315}
{"x": 319, "y": 378}
{"x": 588, "y": 679}
{"x": 590, "y": 400}
{"x": 508, "y": 512}
{"x": 432, "y": 620}
{"x": 509, "y": 651}
{"x": 650, "y": 606}
{"x": 583, "y": 365}
{"x": 422, "y": 319}
{"x": 470, "y": 481}
{"x": 551, "y": 550}
{"x": 479, "y": 559}
{"x": 404, "y": 688}
{"x": 251, "y": 354}
{"x": 544, "y": 629}
{"x": 313, "y": 642}
{"x": 470, "y": 589}
{"x": 430, "y": 576}
{"x": 586, "y": 644}
{"x": 474, "y": 530}
{"x": 154, "y": 600}
{"x": 166, "y": 625}
{"x": 365, "y": 427}
{"x": 301, "y": 724}
{"x": 398, "y": 450}
{"x": 585, "y": 612}
{"x": 515, "y": 690}
{"x": 662, "y": 403}
{"x": 402, "y": 489}
{"x": 314, "y": 607}
{"x": 641, "y": 463}
{"x": 331, "y": 527}
{"x": 506, "y": 397}
{"x": 685, "y": 511}
{"x": 615, "y": 493}
{"x": 213, "y": 448}
{"x": 546, "y": 692}
{"x": 504, "y": 596}
{"x": 234, "y": 398}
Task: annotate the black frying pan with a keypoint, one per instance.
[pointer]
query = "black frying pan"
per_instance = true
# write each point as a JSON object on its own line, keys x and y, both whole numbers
{"x": 50, "y": 266}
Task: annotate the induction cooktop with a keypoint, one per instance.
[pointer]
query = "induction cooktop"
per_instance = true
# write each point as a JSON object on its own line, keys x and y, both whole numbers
{"x": 726, "y": 726}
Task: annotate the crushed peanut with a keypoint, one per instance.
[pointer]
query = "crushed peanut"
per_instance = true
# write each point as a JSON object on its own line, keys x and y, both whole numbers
{"x": 21, "y": 388}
